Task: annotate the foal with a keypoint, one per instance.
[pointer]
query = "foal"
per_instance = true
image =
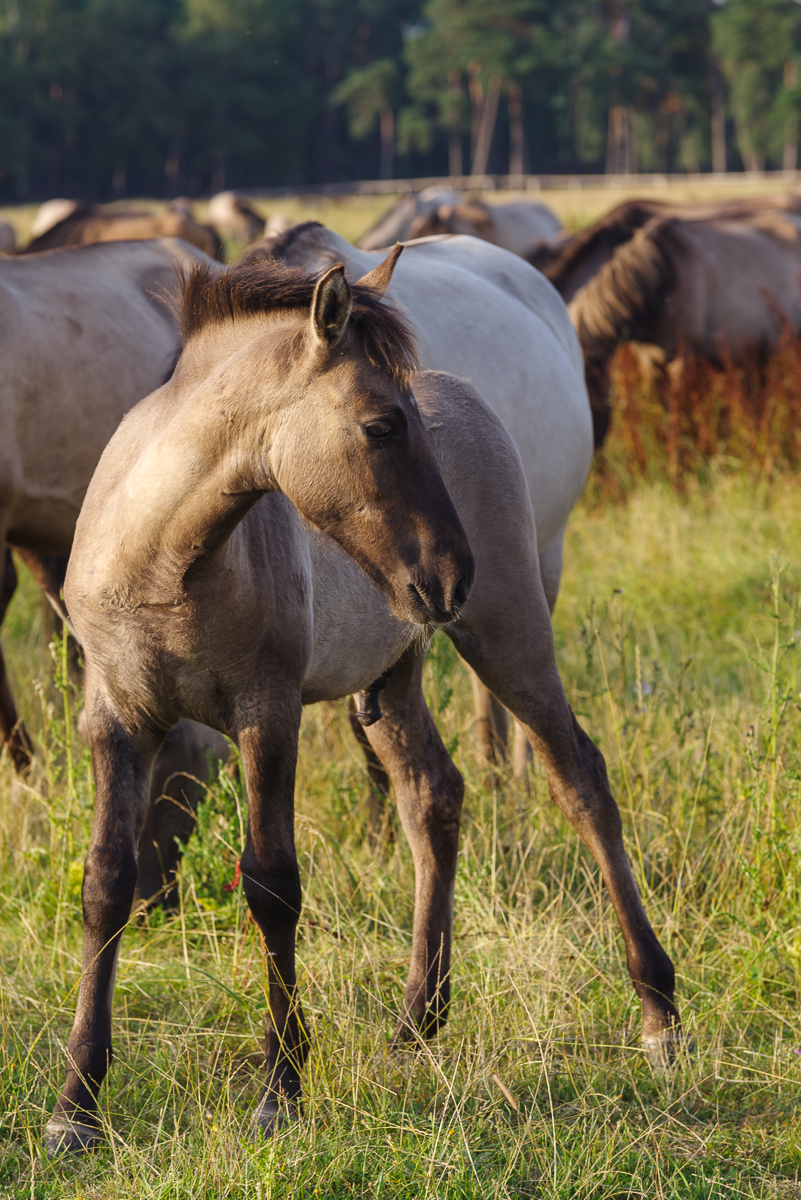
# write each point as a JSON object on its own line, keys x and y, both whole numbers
{"x": 213, "y": 577}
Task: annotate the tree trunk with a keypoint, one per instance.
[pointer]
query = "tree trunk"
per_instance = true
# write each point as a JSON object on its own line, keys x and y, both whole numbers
{"x": 790, "y": 152}
{"x": 455, "y": 167}
{"x": 750, "y": 159}
{"x": 489, "y": 112}
{"x": 718, "y": 122}
{"x": 516, "y": 139}
{"x": 387, "y": 120}
{"x": 621, "y": 147}
{"x": 476, "y": 91}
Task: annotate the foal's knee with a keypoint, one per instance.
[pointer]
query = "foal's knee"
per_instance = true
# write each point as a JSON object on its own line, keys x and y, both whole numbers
{"x": 273, "y": 891}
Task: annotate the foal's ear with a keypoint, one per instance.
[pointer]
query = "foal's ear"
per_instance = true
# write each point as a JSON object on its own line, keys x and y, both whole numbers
{"x": 330, "y": 308}
{"x": 380, "y": 276}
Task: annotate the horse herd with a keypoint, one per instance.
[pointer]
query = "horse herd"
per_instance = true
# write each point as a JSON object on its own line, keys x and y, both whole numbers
{"x": 339, "y": 451}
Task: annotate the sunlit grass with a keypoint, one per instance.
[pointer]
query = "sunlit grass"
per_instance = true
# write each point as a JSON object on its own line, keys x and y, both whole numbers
{"x": 537, "y": 1086}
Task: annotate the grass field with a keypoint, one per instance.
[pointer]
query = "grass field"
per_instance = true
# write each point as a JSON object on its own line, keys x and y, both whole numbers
{"x": 678, "y": 634}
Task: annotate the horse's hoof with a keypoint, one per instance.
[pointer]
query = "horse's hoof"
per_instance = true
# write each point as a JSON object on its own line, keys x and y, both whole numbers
{"x": 70, "y": 1137}
{"x": 664, "y": 1049}
{"x": 271, "y": 1117}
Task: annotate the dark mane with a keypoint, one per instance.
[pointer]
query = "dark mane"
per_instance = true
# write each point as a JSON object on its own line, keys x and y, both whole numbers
{"x": 268, "y": 285}
{"x": 275, "y": 245}
{"x": 617, "y": 227}
{"x": 623, "y": 301}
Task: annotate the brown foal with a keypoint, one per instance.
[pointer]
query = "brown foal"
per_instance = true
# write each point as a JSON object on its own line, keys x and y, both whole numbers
{"x": 278, "y": 525}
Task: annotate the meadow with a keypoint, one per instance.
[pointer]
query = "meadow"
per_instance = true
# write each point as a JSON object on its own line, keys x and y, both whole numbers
{"x": 678, "y": 634}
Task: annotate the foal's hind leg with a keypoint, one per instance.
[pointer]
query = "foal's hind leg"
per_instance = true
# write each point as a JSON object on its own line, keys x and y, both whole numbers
{"x": 12, "y": 731}
{"x": 506, "y": 638}
{"x": 122, "y": 763}
{"x": 429, "y": 792}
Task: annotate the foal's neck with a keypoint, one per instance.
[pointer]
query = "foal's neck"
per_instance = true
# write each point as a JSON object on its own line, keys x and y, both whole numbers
{"x": 206, "y": 466}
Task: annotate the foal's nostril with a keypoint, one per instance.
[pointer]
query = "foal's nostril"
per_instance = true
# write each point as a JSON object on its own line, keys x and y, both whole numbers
{"x": 460, "y": 593}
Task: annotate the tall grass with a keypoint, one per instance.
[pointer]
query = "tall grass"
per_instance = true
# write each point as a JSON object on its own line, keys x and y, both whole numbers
{"x": 695, "y": 420}
{"x": 679, "y": 639}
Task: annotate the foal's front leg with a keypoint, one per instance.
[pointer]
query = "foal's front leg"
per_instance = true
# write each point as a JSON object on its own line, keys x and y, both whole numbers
{"x": 122, "y": 763}
{"x": 429, "y": 792}
{"x": 271, "y": 881}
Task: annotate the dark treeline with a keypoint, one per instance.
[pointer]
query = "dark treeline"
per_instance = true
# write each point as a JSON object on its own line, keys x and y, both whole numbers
{"x": 103, "y": 98}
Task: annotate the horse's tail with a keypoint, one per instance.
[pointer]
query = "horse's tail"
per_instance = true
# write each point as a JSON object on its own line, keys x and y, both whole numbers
{"x": 623, "y": 301}
{"x": 560, "y": 260}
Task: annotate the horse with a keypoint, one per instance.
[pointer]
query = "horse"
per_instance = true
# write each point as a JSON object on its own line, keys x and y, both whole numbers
{"x": 520, "y": 226}
{"x": 396, "y": 224}
{"x": 481, "y": 312}
{"x": 571, "y": 260}
{"x": 231, "y": 216}
{"x": 724, "y": 290}
{"x": 83, "y": 336}
{"x": 289, "y": 518}
{"x": 83, "y": 224}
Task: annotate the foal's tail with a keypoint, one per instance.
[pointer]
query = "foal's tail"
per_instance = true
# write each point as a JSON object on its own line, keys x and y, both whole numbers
{"x": 623, "y": 301}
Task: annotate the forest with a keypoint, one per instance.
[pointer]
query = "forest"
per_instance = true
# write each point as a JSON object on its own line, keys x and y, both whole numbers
{"x": 108, "y": 98}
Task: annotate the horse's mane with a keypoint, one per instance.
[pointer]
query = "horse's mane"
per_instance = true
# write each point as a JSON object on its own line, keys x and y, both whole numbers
{"x": 618, "y": 226}
{"x": 624, "y": 298}
{"x": 629, "y": 291}
{"x": 267, "y": 285}
{"x": 276, "y": 245}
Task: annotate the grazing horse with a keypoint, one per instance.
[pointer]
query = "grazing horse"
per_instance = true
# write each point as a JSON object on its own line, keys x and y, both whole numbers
{"x": 270, "y": 529}
{"x": 714, "y": 280}
{"x": 396, "y": 224}
{"x": 481, "y": 313}
{"x": 231, "y": 216}
{"x": 520, "y": 226}
{"x": 724, "y": 290}
{"x": 84, "y": 224}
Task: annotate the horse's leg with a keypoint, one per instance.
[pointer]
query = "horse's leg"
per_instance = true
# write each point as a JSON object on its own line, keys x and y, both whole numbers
{"x": 429, "y": 792}
{"x": 510, "y": 645}
{"x": 378, "y": 811}
{"x": 551, "y": 574}
{"x": 271, "y": 881}
{"x": 122, "y": 762}
{"x": 180, "y": 771}
{"x": 492, "y": 722}
{"x": 12, "y": 731}
{"x": 49, "y": 572}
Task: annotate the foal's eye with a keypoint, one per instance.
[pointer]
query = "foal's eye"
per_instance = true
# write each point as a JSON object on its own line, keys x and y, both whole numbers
{"x": 378, "y": 430}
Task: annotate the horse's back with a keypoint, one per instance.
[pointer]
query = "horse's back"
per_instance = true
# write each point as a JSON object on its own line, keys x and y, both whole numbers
{"x": 526, "y": 364}
{"x": 736, "y": 284}
{"x": 82, "y": 339}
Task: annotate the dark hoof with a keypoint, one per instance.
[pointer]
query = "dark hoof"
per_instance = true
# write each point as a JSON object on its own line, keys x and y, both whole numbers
{"x": 70, "y": 1137}
{"x": 271, "y": 1117}
{"x": 664, "y": 1049}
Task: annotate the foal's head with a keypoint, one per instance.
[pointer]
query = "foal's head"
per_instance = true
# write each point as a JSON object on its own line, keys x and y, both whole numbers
{"x": 342, "y": 436}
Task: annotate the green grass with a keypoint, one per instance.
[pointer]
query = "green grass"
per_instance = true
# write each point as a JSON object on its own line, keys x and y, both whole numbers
{"x": 678, "y": 633}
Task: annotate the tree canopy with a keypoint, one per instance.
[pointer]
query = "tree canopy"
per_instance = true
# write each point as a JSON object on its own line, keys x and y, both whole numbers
{"x": 103, "y": 98}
